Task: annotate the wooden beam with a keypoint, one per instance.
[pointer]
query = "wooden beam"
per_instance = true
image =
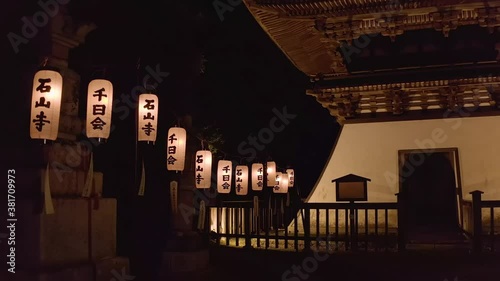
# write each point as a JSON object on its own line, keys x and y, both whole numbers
{"x": 419, "y": 115}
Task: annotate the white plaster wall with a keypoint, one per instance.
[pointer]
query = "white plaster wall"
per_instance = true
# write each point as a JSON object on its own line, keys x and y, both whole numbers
{"x": 371, "y": 150}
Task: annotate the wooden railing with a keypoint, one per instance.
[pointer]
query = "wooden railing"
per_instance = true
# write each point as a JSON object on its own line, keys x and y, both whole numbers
{"x": 332, "y": 226}
{"x": 484, "y": 236}
{"x": 355, "y": 225}
{"x": 491, "y": 231}
{"x": 339, "y": 226}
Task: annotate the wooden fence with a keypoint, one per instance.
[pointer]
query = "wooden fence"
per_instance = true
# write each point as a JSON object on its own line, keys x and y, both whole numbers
{"x": 479, "y": 222}
{"x": 343, "y": 226}
{"x": 339, "y": 226}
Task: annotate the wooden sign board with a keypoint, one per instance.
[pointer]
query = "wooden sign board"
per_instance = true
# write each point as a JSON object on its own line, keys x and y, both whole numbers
{"x": 351, "y": 188}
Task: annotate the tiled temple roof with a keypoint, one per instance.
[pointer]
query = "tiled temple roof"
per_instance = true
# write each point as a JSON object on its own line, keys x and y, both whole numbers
{"x": 310, "y": 32}
{"x": 314, "y": 34}
{"x": 349, "y": 7}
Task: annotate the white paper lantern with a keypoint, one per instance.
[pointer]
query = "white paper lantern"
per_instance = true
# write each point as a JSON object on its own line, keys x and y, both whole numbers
{"x": 241, "y": 179}
{"x": 271, "y": 173}
{"x": 276, "y": 187}
{"x": 176, "y": 149}
{"x": 45, "y": 105}
{"x": 281, "y": 185}
{"x": 257, "y": 176}
{"x": 284, "y": 183}
{"x": 224, "y": 170}
{"x": 147, "y": 117}
{"x": 203, "y": 170}
{"x": 291, "y": 177}
{"x": 99, "y": 108}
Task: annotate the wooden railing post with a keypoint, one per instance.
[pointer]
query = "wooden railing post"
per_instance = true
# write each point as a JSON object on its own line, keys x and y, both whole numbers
{"x": 307, "y": 227}
{"x": 353, "y": 228}
{"x": 401, "y": 221}
{"x": 477, "y": 221}
{"x": 248, "y": 230}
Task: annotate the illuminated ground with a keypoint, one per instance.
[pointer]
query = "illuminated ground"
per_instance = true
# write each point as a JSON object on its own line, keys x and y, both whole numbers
{"x": 279, "y": 244}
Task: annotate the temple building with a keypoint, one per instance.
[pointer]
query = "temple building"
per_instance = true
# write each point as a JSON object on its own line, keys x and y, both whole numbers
{"x": 416, "y": 88}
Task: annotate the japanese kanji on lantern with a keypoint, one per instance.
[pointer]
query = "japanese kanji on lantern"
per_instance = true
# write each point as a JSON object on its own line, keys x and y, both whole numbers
{"x": 46, "y": 105}
{"x": 271, "y": 173}
{"x": 176, "y": 149}
{"x": 147, "y": 117}
{"x": 241, "y": 179}
{"x": 224, "y": 170}
{"x": 257, "y": 176}
{"x": 281, "y": 185}
{"x": 99, "y": 108}
{"x": 203, "y": 171}
{"x": 276, "y": 186}
{"x": 291, "y": 177}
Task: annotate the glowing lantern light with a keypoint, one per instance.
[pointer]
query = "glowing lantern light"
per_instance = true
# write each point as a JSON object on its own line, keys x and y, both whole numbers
{"x": 147, "y": 117}
{"x": 46, "y": 105}
{"x": 291, "y": 177}
{"x": 99, "y": 108}
{"x": 241, "y": 179}
{"x": 276, "y": 187}
{"x": 284, "y": 183}
{"x": 203, "y": 171}
{"x": 176, "y": 149}
{"x": 271, "y": 173}
{"x": 224, "y": 168}
{"x": 257, "y": 176}
{"x": 281, "y": 185}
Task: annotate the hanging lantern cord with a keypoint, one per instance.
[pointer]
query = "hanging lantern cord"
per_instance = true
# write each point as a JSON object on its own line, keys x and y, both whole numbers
{"x": 137, "y": 67}
{"x": 44, "y": 62}
{"x": 149, "y": 87}
{"x": 136, "y": 119}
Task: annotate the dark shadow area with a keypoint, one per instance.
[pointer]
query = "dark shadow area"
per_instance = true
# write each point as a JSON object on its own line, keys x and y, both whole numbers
{"x": 430, "y": 190}
{"x": 450, "y": 265}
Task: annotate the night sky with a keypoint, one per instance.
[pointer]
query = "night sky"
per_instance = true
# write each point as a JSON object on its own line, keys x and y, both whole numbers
{"x": 246, "y": 77}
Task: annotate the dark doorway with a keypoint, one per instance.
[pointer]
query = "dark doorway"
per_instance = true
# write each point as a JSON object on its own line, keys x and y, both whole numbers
{"x": 429, "y": 186}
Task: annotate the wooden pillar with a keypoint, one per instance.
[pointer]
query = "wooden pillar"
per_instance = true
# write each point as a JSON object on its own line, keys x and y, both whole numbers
{"x": 477, "y": 221}
{"x": 307, "y": 228}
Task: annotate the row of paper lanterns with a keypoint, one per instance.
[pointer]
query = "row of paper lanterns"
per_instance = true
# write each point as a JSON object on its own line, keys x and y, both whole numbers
{"x": 243, "y": 176}
{"x": 45, "y": 114}
{"x": 46, "y": 107}
{"x": 226, "y": 174}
